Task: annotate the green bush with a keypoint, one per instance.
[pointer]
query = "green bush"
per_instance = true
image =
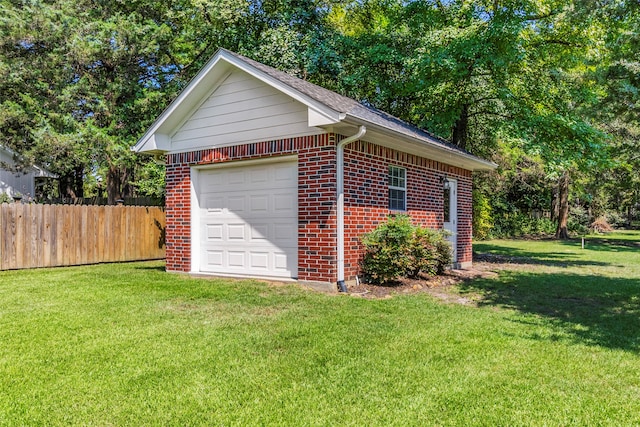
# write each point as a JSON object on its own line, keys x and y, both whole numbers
{"x": 521, "y": 225}
{"x": 397, "y": 248}
{"x": 5, "y": 198}
{"x": 482, "y": 216}
{"x": 579, "y": 220}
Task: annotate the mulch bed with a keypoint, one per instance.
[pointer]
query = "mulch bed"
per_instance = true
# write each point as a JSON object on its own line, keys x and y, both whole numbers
{"x": 438, "y": 286}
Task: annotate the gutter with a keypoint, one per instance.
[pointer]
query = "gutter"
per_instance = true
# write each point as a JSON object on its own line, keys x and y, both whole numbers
{"x": 431, "y": 143}
{"x": 340, "y": 202}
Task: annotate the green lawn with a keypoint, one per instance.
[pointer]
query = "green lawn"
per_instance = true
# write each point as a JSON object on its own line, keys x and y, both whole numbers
{"x": 552, "y": 341}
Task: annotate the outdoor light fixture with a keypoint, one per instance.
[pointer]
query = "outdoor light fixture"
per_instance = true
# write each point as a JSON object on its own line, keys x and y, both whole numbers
{"x": 444, "y": 181}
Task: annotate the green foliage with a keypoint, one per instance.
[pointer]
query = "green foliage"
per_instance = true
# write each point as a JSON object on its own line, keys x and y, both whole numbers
{"x": 151, "y": 180}
{"x": 482, "y": 217}
{"x": 519, "y": 224}
{"x": 5, "y": 198}
{"x": 540, "y": 86}
{"x": 579, "y": 220}
{"x": 397, "y": 248}
{"x": 431, "y": 252}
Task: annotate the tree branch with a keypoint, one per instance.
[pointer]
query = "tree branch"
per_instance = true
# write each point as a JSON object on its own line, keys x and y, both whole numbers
{"x": 489, "y": 113}
{"x": 557, "y": 41}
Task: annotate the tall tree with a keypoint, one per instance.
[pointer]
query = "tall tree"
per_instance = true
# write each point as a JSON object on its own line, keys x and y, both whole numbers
{"x": 479, "y": 73}
{"x": 81, "y": 80}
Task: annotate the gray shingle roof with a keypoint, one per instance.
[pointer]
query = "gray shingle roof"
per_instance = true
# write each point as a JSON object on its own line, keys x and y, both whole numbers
{"x": 351, "y": 107}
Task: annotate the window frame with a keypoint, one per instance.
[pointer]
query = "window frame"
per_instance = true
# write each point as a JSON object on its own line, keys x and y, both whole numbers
{"x": 398, "y": 178}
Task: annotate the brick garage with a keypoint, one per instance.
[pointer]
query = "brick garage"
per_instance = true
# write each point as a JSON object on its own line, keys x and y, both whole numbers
{"x": 249, "y": 127}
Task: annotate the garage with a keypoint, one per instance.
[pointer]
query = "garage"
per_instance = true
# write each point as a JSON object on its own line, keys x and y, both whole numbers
{"x": 246, "y": 219}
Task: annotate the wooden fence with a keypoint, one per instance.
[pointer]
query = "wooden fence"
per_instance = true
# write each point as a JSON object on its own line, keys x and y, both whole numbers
{"x": 33, "y": 235}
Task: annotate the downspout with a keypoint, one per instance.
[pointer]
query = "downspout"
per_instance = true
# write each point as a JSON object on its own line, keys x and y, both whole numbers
{"x": 340, "y": 202}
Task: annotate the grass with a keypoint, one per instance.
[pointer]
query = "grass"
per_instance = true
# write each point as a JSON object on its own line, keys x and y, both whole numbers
{"x": 555, "y": 340}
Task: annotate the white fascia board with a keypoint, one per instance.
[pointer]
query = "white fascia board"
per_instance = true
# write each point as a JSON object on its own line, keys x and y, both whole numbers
{"x": 318, "y": 119}
{"x": 156, "y": 143}
{"x": 423, "y": 148}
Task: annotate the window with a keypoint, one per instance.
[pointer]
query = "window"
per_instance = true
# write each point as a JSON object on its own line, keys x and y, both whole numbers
{"x": 447, "y": 202}
{"x": 397, "y": 188}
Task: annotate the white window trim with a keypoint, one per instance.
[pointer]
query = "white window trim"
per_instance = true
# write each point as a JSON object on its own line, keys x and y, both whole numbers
{"x": 403, "y": 189}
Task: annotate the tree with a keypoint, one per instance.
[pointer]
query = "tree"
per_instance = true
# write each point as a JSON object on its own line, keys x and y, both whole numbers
{"x": 481, "y": 74}
{"x": 82, "y": 80}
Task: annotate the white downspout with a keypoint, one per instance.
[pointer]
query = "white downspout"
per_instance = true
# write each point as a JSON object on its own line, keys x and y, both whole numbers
{"x": 340, "y": 202}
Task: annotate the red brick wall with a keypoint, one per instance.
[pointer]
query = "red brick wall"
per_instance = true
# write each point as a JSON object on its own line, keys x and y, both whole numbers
{"x": 178, "y": 209}
{"x": 316, "y": 195}
{"x": 366, "y": 198}
{"x": 317, "y": 241}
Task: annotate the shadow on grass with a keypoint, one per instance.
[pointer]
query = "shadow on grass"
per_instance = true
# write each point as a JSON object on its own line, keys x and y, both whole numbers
{"x": 151, "y": 267}
{"x": 605, "y": 243}
{"x": 500, "y": 254}
{"x": 587, "y": 309}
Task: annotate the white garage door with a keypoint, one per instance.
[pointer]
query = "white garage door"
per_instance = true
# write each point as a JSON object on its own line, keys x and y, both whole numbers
{"x": 248, "y": 220}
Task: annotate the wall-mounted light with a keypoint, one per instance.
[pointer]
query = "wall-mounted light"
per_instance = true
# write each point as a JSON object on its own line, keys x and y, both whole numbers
{"x": 444, "y": 181}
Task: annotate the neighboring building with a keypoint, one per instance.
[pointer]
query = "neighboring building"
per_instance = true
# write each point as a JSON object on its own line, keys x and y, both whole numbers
{"x": 271, "y": 176}
{"x": 18, "y": 183}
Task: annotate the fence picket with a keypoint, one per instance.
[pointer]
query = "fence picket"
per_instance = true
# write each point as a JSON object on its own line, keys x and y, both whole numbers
{"x": 55, "y": 235}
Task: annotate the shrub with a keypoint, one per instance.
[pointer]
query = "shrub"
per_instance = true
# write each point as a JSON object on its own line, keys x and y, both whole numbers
{"x": 431, "y": 252}
{"x": 397, "y": 248}
{"x": 482, "y": 216}
{"x": 5, "y": 198}
{"x": 522, "y": 225}
{"x": 616, "y": 219}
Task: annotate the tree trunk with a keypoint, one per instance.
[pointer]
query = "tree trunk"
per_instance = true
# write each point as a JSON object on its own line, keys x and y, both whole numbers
{"x": 117, "y": 184}
{"x": 555, "y": 208}
{"x": 461, "y": 128}
{"x": 563, "y": 206}
{"x": 72, "y": 185}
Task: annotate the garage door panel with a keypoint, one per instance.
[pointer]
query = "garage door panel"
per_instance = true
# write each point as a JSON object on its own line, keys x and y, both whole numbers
{"x": 214, "y": 259}
{"x": 259, "y": 204}
{"x": 214, "y": 232}
{"x": 260, "y": 176}
{"x": 236, "y": 259}
{"x": 284, "y": 203}
{"x": 259, "y": 232}
{"x": 250, "y": 221}
{"x": 236, "y": 204}
{"x": 280, "y": 261}
{"x": 236, "y": 232}
{"x": 235, "y": 177}
{"x": 284, "y": 232}
{"x": 259, "y": 260}
{"x": 285, "y": 174}
{"x": 213, "y": 204}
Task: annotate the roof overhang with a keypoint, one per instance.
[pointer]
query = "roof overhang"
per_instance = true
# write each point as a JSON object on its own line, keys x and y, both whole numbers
{"x": 36, "y": 170}
{"x": 389, "y": 138}
{"x": 157, "y": 139}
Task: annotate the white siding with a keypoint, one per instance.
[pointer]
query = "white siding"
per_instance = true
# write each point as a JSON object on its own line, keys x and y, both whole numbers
{"x": 11, "y": 182}
{"x": 242, "y": 109}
